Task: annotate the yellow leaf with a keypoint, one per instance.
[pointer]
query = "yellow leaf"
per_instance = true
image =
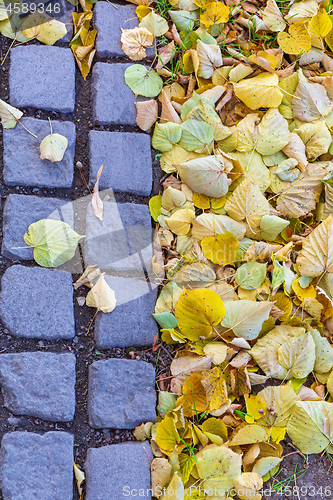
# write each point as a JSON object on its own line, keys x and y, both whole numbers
{"x": 218, "y": 467}
{"x": 134, "y": 42}
{"x": 204, "y": 202}
{"x": 311, "y": 426}
{"x": 254, "y": 407}
{"x": 272, "y": 17}
{"x": 303, "y": 293}
{"x": 277, "y": 434}
{"x": 180, "y": 221}
{"x": 316, "y": 137}
{"x": 53, "y": 147}
{"x": 101, "y": 296}
{"x": 43, "y": 28}
{"x": 261, "y": 91}
{"x": 316, "y": 255}
{"x": 167, "y": 436}
{"x": 160, "y": 475}
{"x": 155, "y": 24}
{"x": 220, "y": 249}
{"x": 175, "y": 490}
{"x": 198, "y": 311}
{"x": 282, "y": 398}
{"x": 217, "y": 350}
{"x": 215, "y": 387}
{"x": 249, "y": 485}
{"x": 141, "y": 11}
{"x": 249, "y": 434}
{"x": 215, "y": 13}
{"x": 296, "y": 41}
{"x": 247, "y": 203}
{"x": 194, "y": 399}
{"x": 320, "y": 24}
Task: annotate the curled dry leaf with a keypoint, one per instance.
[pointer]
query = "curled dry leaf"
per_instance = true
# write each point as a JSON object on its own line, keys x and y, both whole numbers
{"x": 96, "y": 202}
{"x": 147, "y": 114}
{"x": 135, "y": 41}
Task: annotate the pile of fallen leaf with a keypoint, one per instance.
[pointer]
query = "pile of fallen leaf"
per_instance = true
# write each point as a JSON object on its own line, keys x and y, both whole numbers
{"x": 244, "y": 236}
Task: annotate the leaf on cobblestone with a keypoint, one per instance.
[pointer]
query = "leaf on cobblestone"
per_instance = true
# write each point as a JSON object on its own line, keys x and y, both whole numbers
{"x": 147, "y": 114}
{"x": 53, "y": 147}
{"x": 9, "y": 115}
{"x": 143, "y": 81}
{"x": 134, "y": 42}
{"x": 83, "y": 42}
{"x": 88, "y": 277}
{"x": 96, "y": 202}
{"x": 102, "y": 296}
{"x": 43, "y": 28}
{"x": 54, "y": 242}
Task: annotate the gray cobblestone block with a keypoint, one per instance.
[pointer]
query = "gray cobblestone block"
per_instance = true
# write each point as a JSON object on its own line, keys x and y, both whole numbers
{"x": 37, "y": 303}
{"x": 20, "y": 211}
{"x": 113, "y": 100}
{"x": 22, "y": 163}
{"x": 42, "y": 77}
{"x": 131, "y": 323}
{"x": 126, "y": 160}
{"x": 39, "y": 384}
{"x": 121, "y": 394}
{"x": 112, "y": 472}
{"x": 109, "y": 21}
{"x": 37, "y": 467}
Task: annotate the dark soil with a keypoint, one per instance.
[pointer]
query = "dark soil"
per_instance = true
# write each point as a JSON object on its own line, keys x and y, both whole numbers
{"x": 316, "y": 472}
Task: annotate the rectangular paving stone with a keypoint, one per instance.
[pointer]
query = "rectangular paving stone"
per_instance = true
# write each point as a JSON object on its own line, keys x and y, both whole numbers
{"x": 121, "y": 394}
{"x": 126, "y": 160}
{"x": 37, "y": 467}
{"x": 113, "y": 471}
{"x": 109, "y": 21}
{"x": 20, "y": 211}
{"x": 36, "y": 302}
{"x": 42, "y": 77}
{"x": 122, "y": 241}
{"x": 113, "y": 101}
{"x": 131, "y": 323}
{"x": 39, "y": 384}
{"x": 21, "y": 158}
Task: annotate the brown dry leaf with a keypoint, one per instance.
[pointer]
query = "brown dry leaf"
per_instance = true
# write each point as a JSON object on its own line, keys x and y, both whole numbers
{"x": 146, "y": 114}
{"x": 168, "y": 114}
{"x": 194, "y": 399}
{"x": 96, "y": 202}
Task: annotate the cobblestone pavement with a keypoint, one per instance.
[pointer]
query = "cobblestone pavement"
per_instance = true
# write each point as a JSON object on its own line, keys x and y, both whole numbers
{"x": 62, "y": 398}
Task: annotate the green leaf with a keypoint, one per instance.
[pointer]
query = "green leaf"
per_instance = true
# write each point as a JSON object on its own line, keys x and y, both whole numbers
{"x": 271, "y": 226}
{"x": 277, "y": 275}
{"x": 143, "y": 81}
{"x": 250, "y": 275}
{"x": 166, "y": 402}
{"x": 166, "y": 135}
{"x": 183, "y": 19}
{"x": 54, "y": 242}
{"x": 197, "y": 136}
{"x": 245, "y": 317}
{"x": 166, "y": 320}
{"x": 155, "y": 205}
